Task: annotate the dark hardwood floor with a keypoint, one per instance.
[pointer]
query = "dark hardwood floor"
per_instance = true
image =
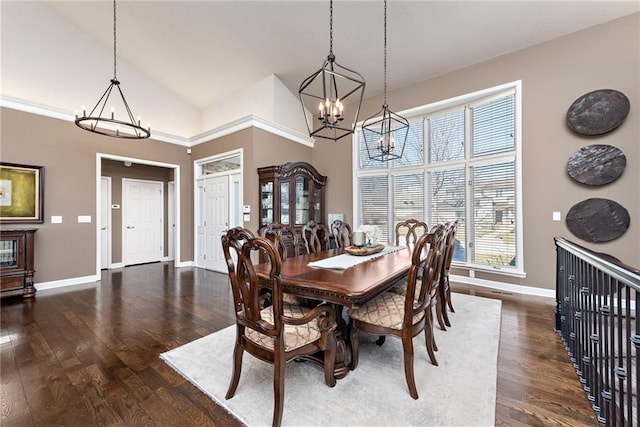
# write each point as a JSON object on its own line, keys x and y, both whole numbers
{"x": 88, "y": 355}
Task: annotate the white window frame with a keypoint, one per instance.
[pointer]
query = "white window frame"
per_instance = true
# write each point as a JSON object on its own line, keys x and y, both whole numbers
{"x": 441, "y": 106}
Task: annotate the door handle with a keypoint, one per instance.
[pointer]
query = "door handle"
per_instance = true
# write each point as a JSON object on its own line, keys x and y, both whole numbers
{"x": 103, "y": 228}
{"x": 129, "y": 226}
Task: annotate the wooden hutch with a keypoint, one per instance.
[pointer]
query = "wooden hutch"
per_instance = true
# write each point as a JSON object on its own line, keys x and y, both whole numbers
{"x": 16, "y": 263}
{"x": 291, "y": 194}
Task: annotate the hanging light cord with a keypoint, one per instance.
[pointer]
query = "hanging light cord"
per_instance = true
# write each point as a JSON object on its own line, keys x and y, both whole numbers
{"x": 114, "y": 41}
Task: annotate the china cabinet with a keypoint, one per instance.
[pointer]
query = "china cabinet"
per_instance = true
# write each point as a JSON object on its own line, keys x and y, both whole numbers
{"x": 291, "y": 194}
{"x": 16, "y": 263}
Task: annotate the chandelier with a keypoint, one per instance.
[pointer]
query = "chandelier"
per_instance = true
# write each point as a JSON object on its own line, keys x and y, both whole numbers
{"x": 129, "y": 128}
{"x": 380, "y": 130}
{"x": 325, "y": 93}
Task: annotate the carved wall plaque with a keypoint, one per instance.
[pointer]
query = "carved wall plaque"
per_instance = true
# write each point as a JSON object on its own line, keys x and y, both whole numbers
{"x": 598, "y": 112}
{"x": 598, "y": 220}
{"x": 597, "y": 164}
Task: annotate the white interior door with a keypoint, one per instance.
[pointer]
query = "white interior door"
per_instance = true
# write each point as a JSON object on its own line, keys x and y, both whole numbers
{"x": 105, "y": 222}
{"x": 143, "y": 218}
{"x": 216, "y": 220}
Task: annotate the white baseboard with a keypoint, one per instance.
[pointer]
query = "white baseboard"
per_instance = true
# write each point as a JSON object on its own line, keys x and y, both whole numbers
{"x": 185, "y": 264}
{"x": 66, "y": 282}
{"x": 116, "y": 265}
{"x": 506, "y": 287}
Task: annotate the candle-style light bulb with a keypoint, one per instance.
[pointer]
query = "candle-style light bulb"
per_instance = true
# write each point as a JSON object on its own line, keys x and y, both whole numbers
{"x": 112, "y": 113}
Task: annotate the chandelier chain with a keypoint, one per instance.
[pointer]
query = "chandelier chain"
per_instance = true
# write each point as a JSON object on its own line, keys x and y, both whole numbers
{"x": 331, "y": 27}
{"x": 114, "y": 40}
{"x": 385, "y": 52}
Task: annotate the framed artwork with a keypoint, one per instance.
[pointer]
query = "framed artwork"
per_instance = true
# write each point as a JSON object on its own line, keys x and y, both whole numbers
{"x": 21, "y": 193}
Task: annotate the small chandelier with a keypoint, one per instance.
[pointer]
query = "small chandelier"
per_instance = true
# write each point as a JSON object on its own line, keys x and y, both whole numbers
{"x": 111, "y": 126}
{"x": 326, "y": 92}
{"x": 381, "y": 129}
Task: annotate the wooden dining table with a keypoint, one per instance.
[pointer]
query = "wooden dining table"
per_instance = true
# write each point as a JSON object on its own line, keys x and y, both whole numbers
{"x": 348, "y": 287}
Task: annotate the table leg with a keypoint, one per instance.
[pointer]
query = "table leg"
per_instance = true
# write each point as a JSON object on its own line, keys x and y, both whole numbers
{"x": 341, "y": 365}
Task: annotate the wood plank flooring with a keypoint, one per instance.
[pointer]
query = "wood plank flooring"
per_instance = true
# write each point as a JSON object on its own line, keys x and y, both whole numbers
{"x": 88, "y": 354}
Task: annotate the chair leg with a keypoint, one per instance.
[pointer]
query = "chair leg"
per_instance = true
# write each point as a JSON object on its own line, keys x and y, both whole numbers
{"x": 449, "y": 296}
{"x": 407, "y": 349}
{"x": 429, "y": 339}
{"x": 353, "y": 342}
{"x": 238, "y": 351}
{"x": 442, "y": 302}
{"x": 440, "y": 313}
{"x": 278, "y": 384}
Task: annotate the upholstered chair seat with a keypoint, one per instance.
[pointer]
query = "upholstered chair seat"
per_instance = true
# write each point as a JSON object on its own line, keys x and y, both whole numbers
{"x": 295, "y": 336}
{"x": 386, "y": 310}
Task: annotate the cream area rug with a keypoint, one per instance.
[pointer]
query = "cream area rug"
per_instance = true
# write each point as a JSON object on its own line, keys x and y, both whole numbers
{"x": 459, "y": 392}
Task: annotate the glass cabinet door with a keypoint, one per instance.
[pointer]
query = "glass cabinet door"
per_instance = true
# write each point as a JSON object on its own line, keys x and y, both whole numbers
{"x": 8, "y": 253}
{"x": 284, "y": 203}
{"x": 266, "y": 195}
{"x": 317, "y": 205}
{"x": 302, "y": 200}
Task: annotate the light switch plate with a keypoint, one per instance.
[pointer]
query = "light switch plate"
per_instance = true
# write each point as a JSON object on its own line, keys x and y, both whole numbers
{"x": 56, "y": 219}
{"x": 84, "y": 219}
{"x": 556, "y": 216}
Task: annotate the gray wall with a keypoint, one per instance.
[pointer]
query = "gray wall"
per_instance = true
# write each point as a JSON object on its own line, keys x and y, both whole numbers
{"x": 553, "y": 75}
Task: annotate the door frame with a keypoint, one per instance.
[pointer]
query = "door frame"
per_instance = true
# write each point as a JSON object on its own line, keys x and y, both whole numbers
{"x": 176, "y": 178}
{"x": 107, "y": 200}
{"x": 171, "y": 220}
{"x": 198, "y": 177}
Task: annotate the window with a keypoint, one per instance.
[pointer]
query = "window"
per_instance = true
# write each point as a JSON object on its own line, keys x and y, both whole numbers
{"x": 461, "y": 161}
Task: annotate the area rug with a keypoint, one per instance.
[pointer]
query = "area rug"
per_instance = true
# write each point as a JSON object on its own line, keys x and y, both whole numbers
{"x": 459, "y": 392}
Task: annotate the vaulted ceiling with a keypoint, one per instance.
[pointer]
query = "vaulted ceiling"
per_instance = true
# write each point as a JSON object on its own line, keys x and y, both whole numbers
{"x": 206, "y": 51}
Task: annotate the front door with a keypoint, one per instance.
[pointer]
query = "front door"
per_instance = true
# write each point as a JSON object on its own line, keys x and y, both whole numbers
{"x": 143, "y": 218}
{"x": 216, "y": 220}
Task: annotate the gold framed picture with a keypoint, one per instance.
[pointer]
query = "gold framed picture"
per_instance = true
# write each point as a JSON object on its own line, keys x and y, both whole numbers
{"x": 21, "y": 193}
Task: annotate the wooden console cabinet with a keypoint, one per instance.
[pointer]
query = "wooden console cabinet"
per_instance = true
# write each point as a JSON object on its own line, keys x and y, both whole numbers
{"x": 16, "y": 263}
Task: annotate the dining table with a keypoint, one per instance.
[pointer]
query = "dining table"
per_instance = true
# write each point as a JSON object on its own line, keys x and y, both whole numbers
{"x": 344, "y": 280}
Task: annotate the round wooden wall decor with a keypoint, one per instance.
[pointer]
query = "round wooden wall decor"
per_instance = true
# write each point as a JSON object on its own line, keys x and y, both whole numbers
{"x": 598, "y": 220}
{"x": 597, "y": 164}
{"x": 598, "y": 112}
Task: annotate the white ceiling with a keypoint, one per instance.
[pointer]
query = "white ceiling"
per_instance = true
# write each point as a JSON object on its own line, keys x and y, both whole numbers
{"x": 205, "y": 51}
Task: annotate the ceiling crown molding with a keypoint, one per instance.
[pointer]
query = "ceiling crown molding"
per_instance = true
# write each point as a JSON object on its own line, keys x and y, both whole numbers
{"x": 245, "y": 122}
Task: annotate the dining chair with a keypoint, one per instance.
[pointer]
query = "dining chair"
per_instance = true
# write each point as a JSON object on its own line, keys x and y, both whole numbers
{"x": 404, "y": 316}
{"x": 280, "y": 332}
{"x": 315, "y": 236}
{"x": 342, "y": 234}
{"x": 408, "y": 231}
{"x": 444, "y": 295}
{"x": 284, "y": 237}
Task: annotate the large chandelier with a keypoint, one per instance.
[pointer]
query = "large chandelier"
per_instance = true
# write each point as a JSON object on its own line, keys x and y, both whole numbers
{"x": 385, "y": 133}
{"x": 108, "y": 125}
{"x": 325, "y": 93}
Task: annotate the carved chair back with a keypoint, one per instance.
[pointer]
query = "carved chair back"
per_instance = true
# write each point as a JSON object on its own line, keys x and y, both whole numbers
{"x": 284, "y": 237}
{"x": 342, "y": 234}
{"x": 408, "y": 231}
{"x": 315, "y": 236}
